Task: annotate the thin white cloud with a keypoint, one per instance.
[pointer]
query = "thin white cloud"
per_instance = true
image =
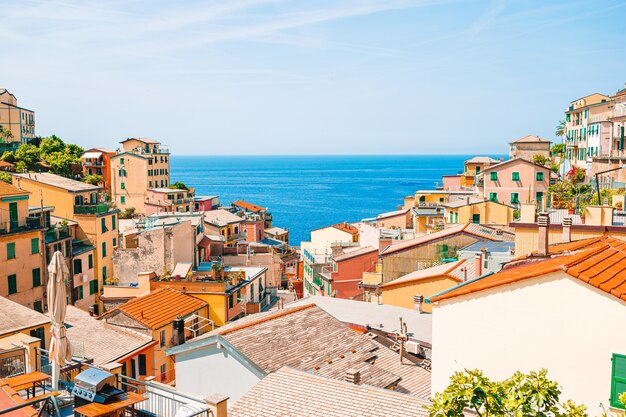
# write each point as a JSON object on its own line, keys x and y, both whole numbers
{"x": 494, "y": 9}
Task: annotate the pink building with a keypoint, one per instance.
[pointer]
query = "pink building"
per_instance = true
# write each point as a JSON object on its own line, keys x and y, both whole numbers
{"x": 255, "y": 229}
{"x": 346, "y": 272}
{"x": 169, "y": 200}
{"x": 206, "y": 203}
{"x": 514, "y": 181}
{"x": 452, "y": 182}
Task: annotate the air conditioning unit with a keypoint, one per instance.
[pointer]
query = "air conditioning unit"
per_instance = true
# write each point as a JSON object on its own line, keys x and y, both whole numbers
{"x": 413, "y": 347}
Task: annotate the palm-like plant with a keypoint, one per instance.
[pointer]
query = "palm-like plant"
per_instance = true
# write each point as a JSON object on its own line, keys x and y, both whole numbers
{"x": 561, "y": 129}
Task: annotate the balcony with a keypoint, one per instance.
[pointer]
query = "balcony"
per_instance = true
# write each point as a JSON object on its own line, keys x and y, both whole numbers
{"x": 619, "y": 110}
{"x": 97, "y": 164}
{"x": 162, "y": 150}
{"x": 236, "y": 236}
{"x": 99, "y": 208}
{"x": 58, "y": 233}
{"x": 27, "y": 224}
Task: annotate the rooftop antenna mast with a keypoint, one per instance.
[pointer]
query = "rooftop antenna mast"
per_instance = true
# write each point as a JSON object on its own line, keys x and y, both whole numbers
{"x": 402, "y": 338}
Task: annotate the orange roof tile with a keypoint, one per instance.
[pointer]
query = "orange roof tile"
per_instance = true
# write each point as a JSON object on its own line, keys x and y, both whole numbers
{"x": 249, "y": 206}
{"x": 602, "y": 265}
{"x": 348, "y": 228}
{"x": 9, "y": 398}
{"x": 160, "y": 307}
{"x": 443, "y": 270}
{"x": 7, "y": 189}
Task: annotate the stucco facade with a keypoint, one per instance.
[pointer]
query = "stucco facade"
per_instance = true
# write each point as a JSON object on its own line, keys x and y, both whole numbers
{"x": 515, "y": 181}
{"x": 553, "y": 321}
{"x": 18, "y": 120}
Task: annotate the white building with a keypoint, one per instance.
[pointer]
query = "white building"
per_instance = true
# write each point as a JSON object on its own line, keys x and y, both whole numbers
{"x": 564, "y": 313}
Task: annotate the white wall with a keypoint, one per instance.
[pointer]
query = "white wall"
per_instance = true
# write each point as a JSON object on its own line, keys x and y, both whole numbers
{"x": 556, "y": 322}
{"x": 369, "y": 235}
{"x": 213, "y": 371}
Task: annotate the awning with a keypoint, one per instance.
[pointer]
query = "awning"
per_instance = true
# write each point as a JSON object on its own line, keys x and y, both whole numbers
{"x": 92, "y": 155}
{"x": 181, "y": 269}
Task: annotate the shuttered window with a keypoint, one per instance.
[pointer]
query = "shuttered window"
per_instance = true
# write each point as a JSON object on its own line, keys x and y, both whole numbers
{"x": 78, "y": 266}
{"x": 494, "y": 176}
{"x": 103, "y": 222}
{"x": 90, "y": 260}
{"x": 104, "y": 249}
{"x": 93, "y": 286}
{"x": 539, "y": 176}
{"x": 618, "y": 379}
{"x": 113, "y": 223}
{"x": 142, "y": 364}
{"x": 515, "y": 176}
{"x": 12, "y": 284}
{"x": 493, "y": 196}
{"x": 11, "y": 250}
{"x": 34, "y": 245}
{"x": 514, "y": 198}
{"x": 36, "y": 277}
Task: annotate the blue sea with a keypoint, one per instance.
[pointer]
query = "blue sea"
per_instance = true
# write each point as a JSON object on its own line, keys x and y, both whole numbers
{"x": 307, "y": 192}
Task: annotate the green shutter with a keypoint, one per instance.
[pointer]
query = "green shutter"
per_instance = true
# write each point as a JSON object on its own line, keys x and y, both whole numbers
{"x": 142, "y": 364}
{"x": 113, "y": 224}
{"x": 539, "y": 176}
{"x": 78, "y": 266}
{"x": 514, "y": 198}
{"x": 515, "y": 176}
{"x": 12, "y": 284}
{"x": 11, "y": 250}
{"x": 34, "y": 245}
{"x": 104, "y": 273}
{"x": 494, "y": 176}
{"x": 618, "y": 379}
{"x": 123, "y": 200}
{"x": 93, "y": 286}
{"x": 122, "y": 186}
{"x": 36, "y": 277}
{"x": 90, "y": 261}
{"x": 493, "y": 196}
{"x": 104, "y": 249}
{"x": 104, "y": 225}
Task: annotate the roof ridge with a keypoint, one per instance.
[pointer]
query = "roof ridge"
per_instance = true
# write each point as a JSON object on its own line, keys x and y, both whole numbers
{"x": 264, "y": 319}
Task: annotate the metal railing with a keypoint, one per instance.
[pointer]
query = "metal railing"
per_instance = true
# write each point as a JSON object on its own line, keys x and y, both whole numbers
{"x": 57, "y": 233}
{"x": 99, "y": 208}
{"x": 30, "y": 223}
{"x": 13, "y": 365}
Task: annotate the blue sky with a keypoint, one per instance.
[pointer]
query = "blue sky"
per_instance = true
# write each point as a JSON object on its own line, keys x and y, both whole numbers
{"x": 308, "y": 77}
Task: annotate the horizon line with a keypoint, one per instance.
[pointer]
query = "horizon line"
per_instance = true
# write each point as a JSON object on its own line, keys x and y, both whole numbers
{"x": 343, "y": 154}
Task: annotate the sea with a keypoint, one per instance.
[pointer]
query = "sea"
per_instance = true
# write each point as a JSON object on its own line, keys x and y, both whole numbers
{"x": 307, "y": 192}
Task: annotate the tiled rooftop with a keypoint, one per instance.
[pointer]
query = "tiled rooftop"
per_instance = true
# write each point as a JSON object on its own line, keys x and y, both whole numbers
{"x": 530, "y": 139}
{"x": 481, "y": 160}
{"x": 7, "y": 189}
{"x": 9, "y": 398}
{"x": 392, "y": 214}
{"x": 102, "y": 342}
{"x": 293, "y": 393}
{"x": 477, "y": 230}
{"x": 359, "y": 251}
{"x": 59, "y": 182}
{"x": 16, "y": 317}
{"x": 597, "y": 262}
{"x": 160, "y": 307}
{"x": 249, "y": 206}
{"x": 221, "y": 217}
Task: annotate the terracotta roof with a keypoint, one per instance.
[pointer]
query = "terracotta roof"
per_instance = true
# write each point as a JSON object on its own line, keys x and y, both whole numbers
{"x": 477, "y": 230}
{"x": 586, "y": 244}
{"x": 7, "y": 189}
{"x": 531, "y": 139}
{"x": 102, "y": 342}
{"x": 144, "y": 140}
{"x": 58, "y": 181}
{"x": 482, "y": 160}
{"x": 348, "y": 228}
{"x": 5, "y": 164}
{"x": 221, "y": 217}
{"x": 160, "y": 307}
{"x": 249, "y": 206}
{"x": 9, "y": 398}
{"x": 16, "y": 317}
{"x": 602, "y": 266}
{"x": 293, "y": 393}
{"x": 354, "y": 253}
{"x": 526, "y": 161}
{"x": 443, "y": 270}
{"x": 392, "y": 214}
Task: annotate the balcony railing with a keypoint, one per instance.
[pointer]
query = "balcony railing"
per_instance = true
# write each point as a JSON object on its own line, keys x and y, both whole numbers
{"x": 93, "y": 164}
{"x": 57, "y": 233}
{"x": 619, "y": 110}
{"x": 30, "y": 223}
{"x": 99, "y": 208}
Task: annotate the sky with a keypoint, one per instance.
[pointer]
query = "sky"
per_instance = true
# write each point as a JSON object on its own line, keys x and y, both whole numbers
{"x": 308, "y": 77}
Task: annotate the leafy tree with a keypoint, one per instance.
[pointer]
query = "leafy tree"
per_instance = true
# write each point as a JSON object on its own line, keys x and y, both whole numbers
{"x": 531, "y": 394}
{"x": 561, "y": 129}
{"x": 555, "y": 167}
{"x": 540, "y": 159}
{"x": 27, "y": 154}
{"x": 128, "y": 213}
{"x": 6, "y": 177}
{"x": 8, "y": 156}
{"x": 61, "y": 162}
{"x": 75, "y": 150}
{"x": 93, "y": 179}
{"x": 20, "y": 166}
{"x": 51, "y": 145}
{"x": 5, "y": 135}
{"x": 179, "y": 186}
{"x": 558, "y": 149}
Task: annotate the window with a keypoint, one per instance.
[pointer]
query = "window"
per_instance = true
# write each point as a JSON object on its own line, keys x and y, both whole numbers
{"x": 104, "y": 273}
{"x": 122, "y": 186}
{"x": 90, "y": 261}
{"x": 494, "y": 176}
{"x": 34, "y": 245}
{"x": 78, "y": 266}
{"x": 37, "y": 306}
{"x": 515, "y": 176}
{"x": 11, "y": 250}
{"x": 142, "y": 364}
{"x": 493, "y": 196}
{"x": 162, "y": 338}
{"x": 121, "y": 160}
{"x": 113, "y": 225}
{"x": 150, "y": 184}
{"x": 123, "y": 199}
{"x": 163, "y": 370}
{"x": 539, "y": 176}
{"x": 12, "y": 284}
{"x": 334, "y": 266}
{"x": 514, "y": 198}
{"x": 36, "y": 277}
{"x": 539, "y": 196}
{"x": 104, "y": 249}
{"x": 103, "y": 222}
{"x": 618, "y": 379}
{"x": 78, "y": 293}
{"x": 114, "y": 242}
{"x": 93, "y": 286}
{"x": 122, "y": 173}
{"x": 231, "y": 302}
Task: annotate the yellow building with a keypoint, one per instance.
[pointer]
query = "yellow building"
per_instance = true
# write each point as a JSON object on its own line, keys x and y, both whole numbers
{"x": 142, "y": 164}
{"x": 85, "y": 204}
{"x": 224, "y": 223}
{"x": 17, "y": 120}
{"x": 409, "y": 291}
{"x": 22, "y": 264}
{"x": 478, "y": 210}
{"x": 473, "y": 166}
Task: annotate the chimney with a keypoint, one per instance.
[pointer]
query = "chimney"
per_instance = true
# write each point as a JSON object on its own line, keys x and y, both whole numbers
{"x": 418, "y": 302}
{"x": 218, "y": 405}
{"x": 478, "y": 264}
{"x": 179, "y": 331}
{"x": 499, "y": 235}
{"x": 567, "y": 229}
{"x": 544, "y": 223}
{"x": 353, "y": 376}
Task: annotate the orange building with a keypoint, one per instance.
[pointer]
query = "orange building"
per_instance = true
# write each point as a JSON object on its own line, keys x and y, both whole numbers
{"x": 97, "y": 161}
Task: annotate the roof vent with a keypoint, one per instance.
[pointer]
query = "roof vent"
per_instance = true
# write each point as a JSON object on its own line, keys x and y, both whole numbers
{"x": 353, "y": 376}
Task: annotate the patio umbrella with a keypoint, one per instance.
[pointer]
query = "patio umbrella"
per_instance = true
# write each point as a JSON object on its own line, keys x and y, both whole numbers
{"x": 60, "y": 349}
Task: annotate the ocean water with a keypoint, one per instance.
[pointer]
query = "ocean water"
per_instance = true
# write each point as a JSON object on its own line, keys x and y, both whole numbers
{"x": 307, "y": 192}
